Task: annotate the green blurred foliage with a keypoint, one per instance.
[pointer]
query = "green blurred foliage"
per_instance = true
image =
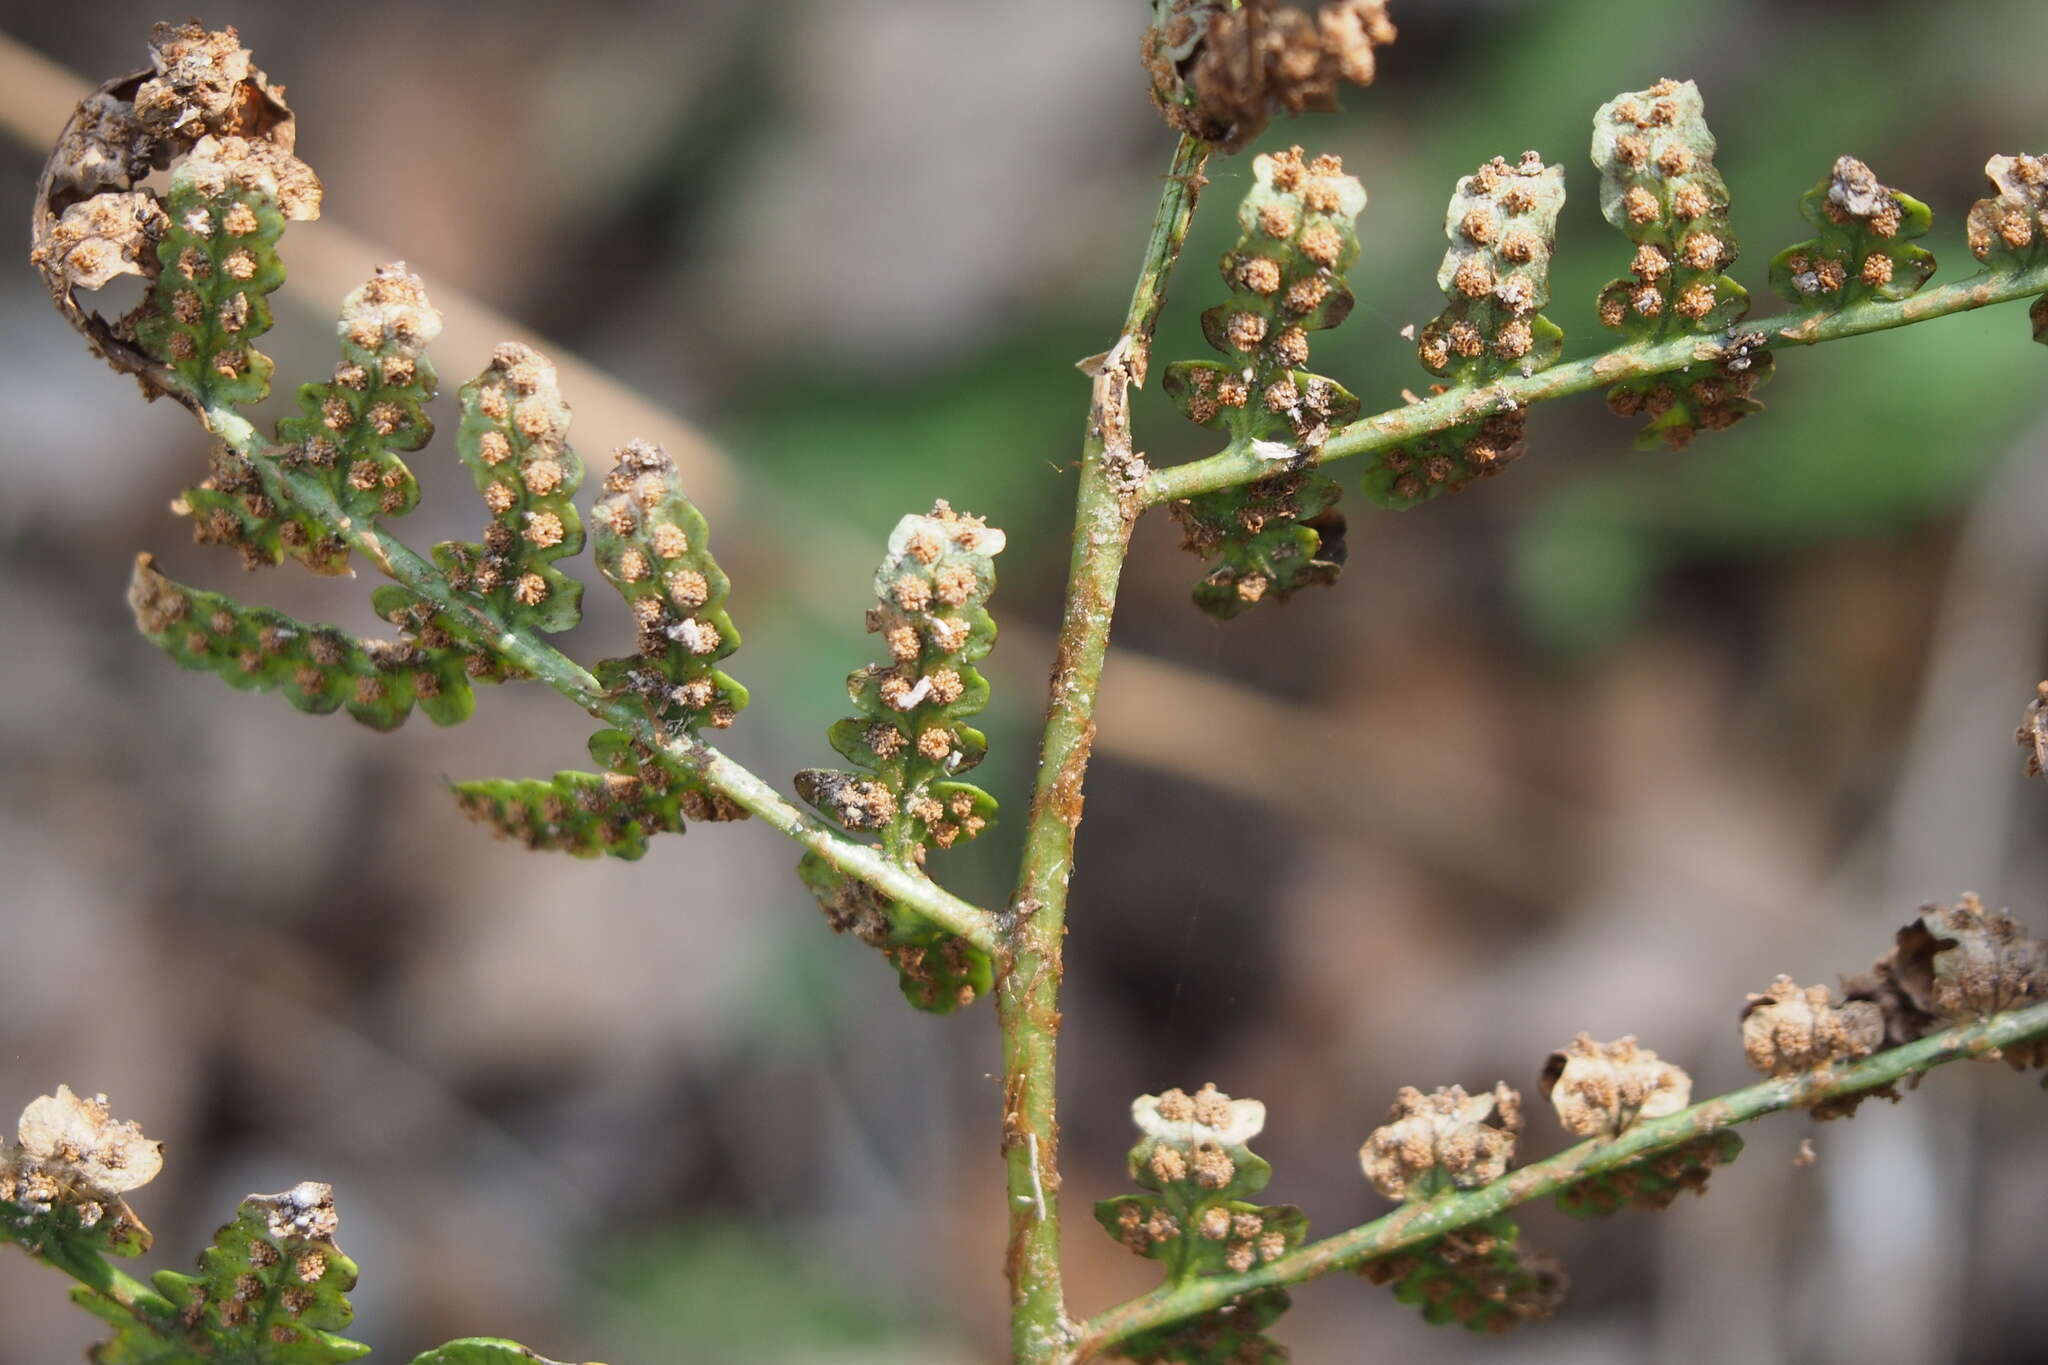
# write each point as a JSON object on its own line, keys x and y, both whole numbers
{"x": 732, "y": 1291}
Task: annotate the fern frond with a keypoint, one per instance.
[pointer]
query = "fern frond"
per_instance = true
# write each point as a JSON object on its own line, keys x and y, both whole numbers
{"x": 1298, "y": 226}
{"x": 318, "y": 669}
{"x": 910, "y": 742}
{"x": 514, "y": 441}
{"x": 1196, "y": 1220}
{"x": 1502, "y": 225}
{"x": 1659, "y": 186}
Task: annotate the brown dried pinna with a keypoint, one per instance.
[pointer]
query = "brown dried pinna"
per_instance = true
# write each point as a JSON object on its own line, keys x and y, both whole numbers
{"x": 2008, "y": 228}
{"x": 80, "y": 1146}
{"x": 1444, "y": 1138}
{"x": 1792, "y": 1028}
{"x": 1601, "y": 1089}
{"x": 1964, "y": 962}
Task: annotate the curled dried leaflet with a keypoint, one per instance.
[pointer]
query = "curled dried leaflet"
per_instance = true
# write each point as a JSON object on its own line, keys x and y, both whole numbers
{"x": 94, "y": 220}
{"x": 71, "y": 1163}
{"x": 1956, "y": 964}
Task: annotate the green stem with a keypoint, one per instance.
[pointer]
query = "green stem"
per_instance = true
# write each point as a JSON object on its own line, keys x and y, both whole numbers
{"x": 116, "y": 1284}
{"x": 1456, "y": 407}
{"x": 532, "y": 655}
{"x": 96, "y": 1273}
{"x": 1027, "y": 990}
{"x": 1415, "y": 1223}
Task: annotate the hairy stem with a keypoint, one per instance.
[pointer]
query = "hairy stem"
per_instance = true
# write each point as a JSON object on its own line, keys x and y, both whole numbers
{"x": 1416, "y": 1223}
{"x": 532, "y": 655}
{"x": 1027, "y": 989}
{"x": 1239, "y": 465}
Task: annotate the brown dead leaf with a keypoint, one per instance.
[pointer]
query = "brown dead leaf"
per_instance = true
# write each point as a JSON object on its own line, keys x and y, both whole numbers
{"x": 1955, "y": 964}
{"x": 1218, "y": 73}
{"x": 1792, "y": 1028}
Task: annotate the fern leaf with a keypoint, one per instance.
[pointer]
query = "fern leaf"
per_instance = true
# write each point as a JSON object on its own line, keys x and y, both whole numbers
{"x": 1479, "y": 1277}
{"x": 2009, "y": 231}
{"x": 1298, "y": 236}
{"x": 1863, "y": 249}
{"x": 271, "y": 1290}
{"x": 480, "y": 1351}
{"x": 653, "y": 545}
{"x": 220, "y": 264}
{"x": 1655, "y": 1182}
{"x": 513, "y": 439}
{"x": 1659, "y": 185}
{"x": 62, "y": 1181}
{"x": 910, "y": 742}
{"x": 1502, "y": 226}
{"x": 1231, "y": 1335}
{"x": 233, "y": 506}
{"x": 937, "y": 971}
{"x": 347, "y": 433}
{"x": 585, "y": 814}
{"x": 1196, "y": 1219}
{"x": 318, "y": 669}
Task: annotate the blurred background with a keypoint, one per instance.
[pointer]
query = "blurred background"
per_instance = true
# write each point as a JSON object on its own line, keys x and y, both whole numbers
{"x": 1601, "y": 745}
